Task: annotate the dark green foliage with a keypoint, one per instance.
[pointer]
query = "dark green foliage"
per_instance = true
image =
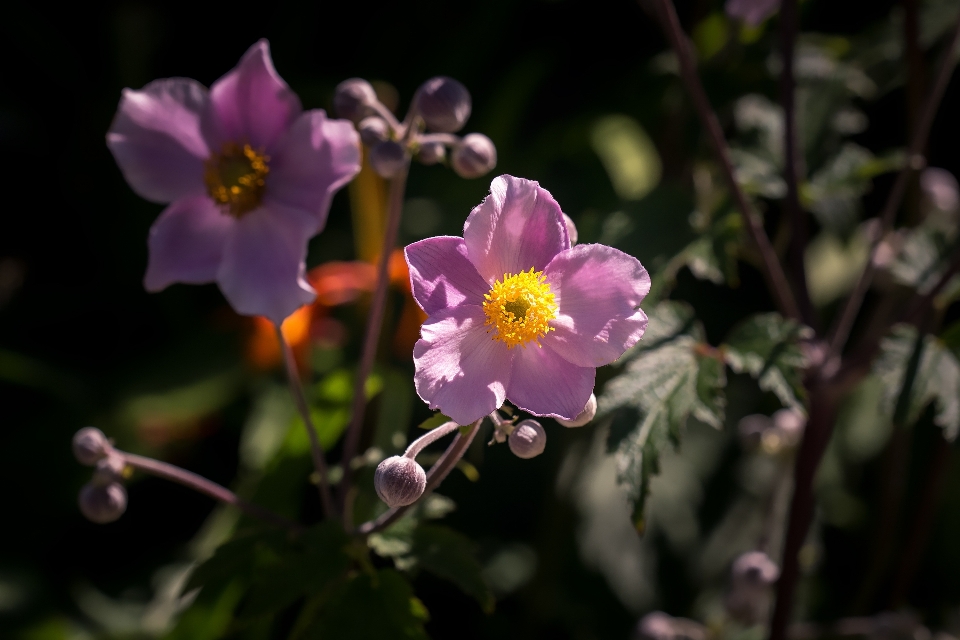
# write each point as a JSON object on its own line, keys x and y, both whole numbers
{"x": 449, "y": 555}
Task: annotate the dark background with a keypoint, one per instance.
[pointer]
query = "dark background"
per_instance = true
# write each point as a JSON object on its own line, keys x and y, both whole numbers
{"x": 78, "y": 334}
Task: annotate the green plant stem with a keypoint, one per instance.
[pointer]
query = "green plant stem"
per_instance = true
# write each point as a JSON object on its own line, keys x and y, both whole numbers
{"x": 316, "y": 449}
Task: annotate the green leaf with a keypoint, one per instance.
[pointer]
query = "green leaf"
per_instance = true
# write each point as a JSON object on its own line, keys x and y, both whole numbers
{"x": 767, "y": 346}
{"x": 449, "y": 555}
{"x": 914, "y": 372}
{"x": 378, "y": 605}
{"x": 670, "y": 375}
{"x": 306, "y": 566}
{"x": 923, "y": 258}
{"x": 235, "y": 559}
{"x": 433, "y": 422}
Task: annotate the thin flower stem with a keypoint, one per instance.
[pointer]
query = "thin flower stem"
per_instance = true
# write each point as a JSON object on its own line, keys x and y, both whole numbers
{"x": 316, "y": 449}
{"x": 429, "y": 438}
{"x": 772, "y": 270}
{"x": 387, "y": 115}
{"x": 841, "y": 330}
{"x": 202, "y": 485}
{"x": 374, "y": 325}
{"x": 438, "y": 472}
{"x": 444, "y": 138}
{"x": 793, "y": 161}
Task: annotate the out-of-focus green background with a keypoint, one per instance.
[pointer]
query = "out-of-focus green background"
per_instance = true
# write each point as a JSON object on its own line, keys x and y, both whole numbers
{"x": 576, "y": 95}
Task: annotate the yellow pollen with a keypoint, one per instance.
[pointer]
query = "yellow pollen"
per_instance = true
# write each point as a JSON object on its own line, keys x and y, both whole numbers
{"x": 235, "y": 177}
{"x": 519, "y": 308}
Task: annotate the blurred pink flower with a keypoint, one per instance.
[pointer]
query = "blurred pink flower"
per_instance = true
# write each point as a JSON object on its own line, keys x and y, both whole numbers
{"x": 514, "y": 281}
{"x": 753, "y": 12}
{"x": 249, "y": 176}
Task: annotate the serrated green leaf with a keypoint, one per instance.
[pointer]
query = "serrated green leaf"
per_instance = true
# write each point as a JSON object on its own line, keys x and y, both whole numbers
{"x": 379, "y": 605}
{"x": 669, "y": 375}
{"x": 914, "y": 372}
{"x": 923, "y": 257}
{"x": 767, "y": 346}
{"x": 235, "y": 559}
{"x": 449, "y": 555}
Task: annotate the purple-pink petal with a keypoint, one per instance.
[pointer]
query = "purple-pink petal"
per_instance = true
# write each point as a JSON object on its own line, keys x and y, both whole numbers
{"x": 442, "y": 276}
{"x": 263, "y": 270}
{"x": 598, "y": 290}
{"x": 156, "y": 139}
{"x": 518, "y": 226}
{"x": 186, "y": 243}
{"x": 315, "y": 158}
{"x": 543, "y": 383}
{"x": 251, "y": 103}
{"x": 460, "y": 370}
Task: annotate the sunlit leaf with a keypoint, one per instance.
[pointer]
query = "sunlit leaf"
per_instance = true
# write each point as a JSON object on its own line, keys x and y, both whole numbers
{"x": 767, "y": 346}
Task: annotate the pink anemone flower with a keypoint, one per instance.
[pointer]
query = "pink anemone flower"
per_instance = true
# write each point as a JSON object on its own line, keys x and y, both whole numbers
{"x": 516, "y": 313}
{"x": 249, "y": 177}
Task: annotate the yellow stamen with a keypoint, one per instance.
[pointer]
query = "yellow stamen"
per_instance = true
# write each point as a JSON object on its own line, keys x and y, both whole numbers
{"x": 519, "y": 308}
{"x": 235, "y": 177}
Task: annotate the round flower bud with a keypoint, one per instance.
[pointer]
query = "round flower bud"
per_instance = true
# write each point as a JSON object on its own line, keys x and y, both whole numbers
{"x": 352, "y": 99}
{"x": 89, "y": 445}
{"x": 373, "y": 129}
{"x": 751, "y": 428}
{"x": 474, "y": 156}
{"x": 789, "y": 424}
{"x": 109, "y": 470}
{"x": 585, "y": 416}
{"x": 754, "y": 568}
{"x": 103, "y": 504}
{"x": 431, "y": 153}
{"x": 387, "y": 158}
{"x": 527, "y": 440}
{"x": 656, "y": 625}
{"x": 571, "y": 229}
{"x": 399, "y": 481}
{"x": 444, "y": 104}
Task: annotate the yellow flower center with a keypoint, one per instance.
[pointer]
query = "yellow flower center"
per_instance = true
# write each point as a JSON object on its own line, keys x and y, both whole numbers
{"x": 519, "y": 307}
{"x": 235, "y": 177}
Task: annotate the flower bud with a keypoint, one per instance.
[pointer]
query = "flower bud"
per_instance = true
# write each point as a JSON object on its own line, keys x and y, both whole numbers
{"x": 789, "y": 424}
{"x": 373, "y": 129}
{"x": 474, "y": 156}
{"x": 352, "y": 99}
{"x": 431, "y": 153}
{"x": 109, "y": 470}
{"x": 658, "y": 625}
{"x": 571, "y": 230}
{"x": 751, "y": 429}
{"x": 754, "y": 568}
{"x": 89, "y": 445}
{"x": 103, "y": 504}
{"x": 527, "y": 440}
{"x": 585, "y": 416}
{"x": 387, "y": 158}
{"x": 444, "y": 104}
{"x": 399, "y": 481}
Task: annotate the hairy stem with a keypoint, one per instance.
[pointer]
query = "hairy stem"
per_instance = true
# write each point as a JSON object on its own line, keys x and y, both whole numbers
{"x": 207, "y": 487}
{"x": 841, "y": 329}
{"x": 815, "y": 439}
{"x": 772, "y": 270}
{"x": 374, "y": 325}
{"x": 429, "y": 438}
{"x": 794, "y": 160}
{"x": 316, "y": 449}
{"x": 437, "y": 473}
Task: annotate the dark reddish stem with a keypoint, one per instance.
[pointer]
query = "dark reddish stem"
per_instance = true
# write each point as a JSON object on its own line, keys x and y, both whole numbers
{"x": 772, "y": 270}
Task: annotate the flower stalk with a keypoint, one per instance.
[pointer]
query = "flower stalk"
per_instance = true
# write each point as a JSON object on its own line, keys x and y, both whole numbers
{"x": 316, "y": 449}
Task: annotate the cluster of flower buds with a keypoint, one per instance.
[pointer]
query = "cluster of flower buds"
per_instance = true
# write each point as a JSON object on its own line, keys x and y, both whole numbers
{"x": 104, "y": 498}
{"x": 440, "y": 108}
{"x": 772, "y": 435}
{"x": 752, "y": 577}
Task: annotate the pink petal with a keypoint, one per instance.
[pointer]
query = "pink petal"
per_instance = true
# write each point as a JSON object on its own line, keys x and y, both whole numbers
{"x": 186, "y": 243}
{"x": 155, "y": 138}
{"x": 518, "y": 226}
{"x": 545, "y": 384}
{"x": 311, "y": 162}
{"x": 263, "y": 271}
{"x": 441, "y": 274}
{"x": 598, "y": 290}
{"x": 251, "y": 104}
{"x": 460, "y": 370}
